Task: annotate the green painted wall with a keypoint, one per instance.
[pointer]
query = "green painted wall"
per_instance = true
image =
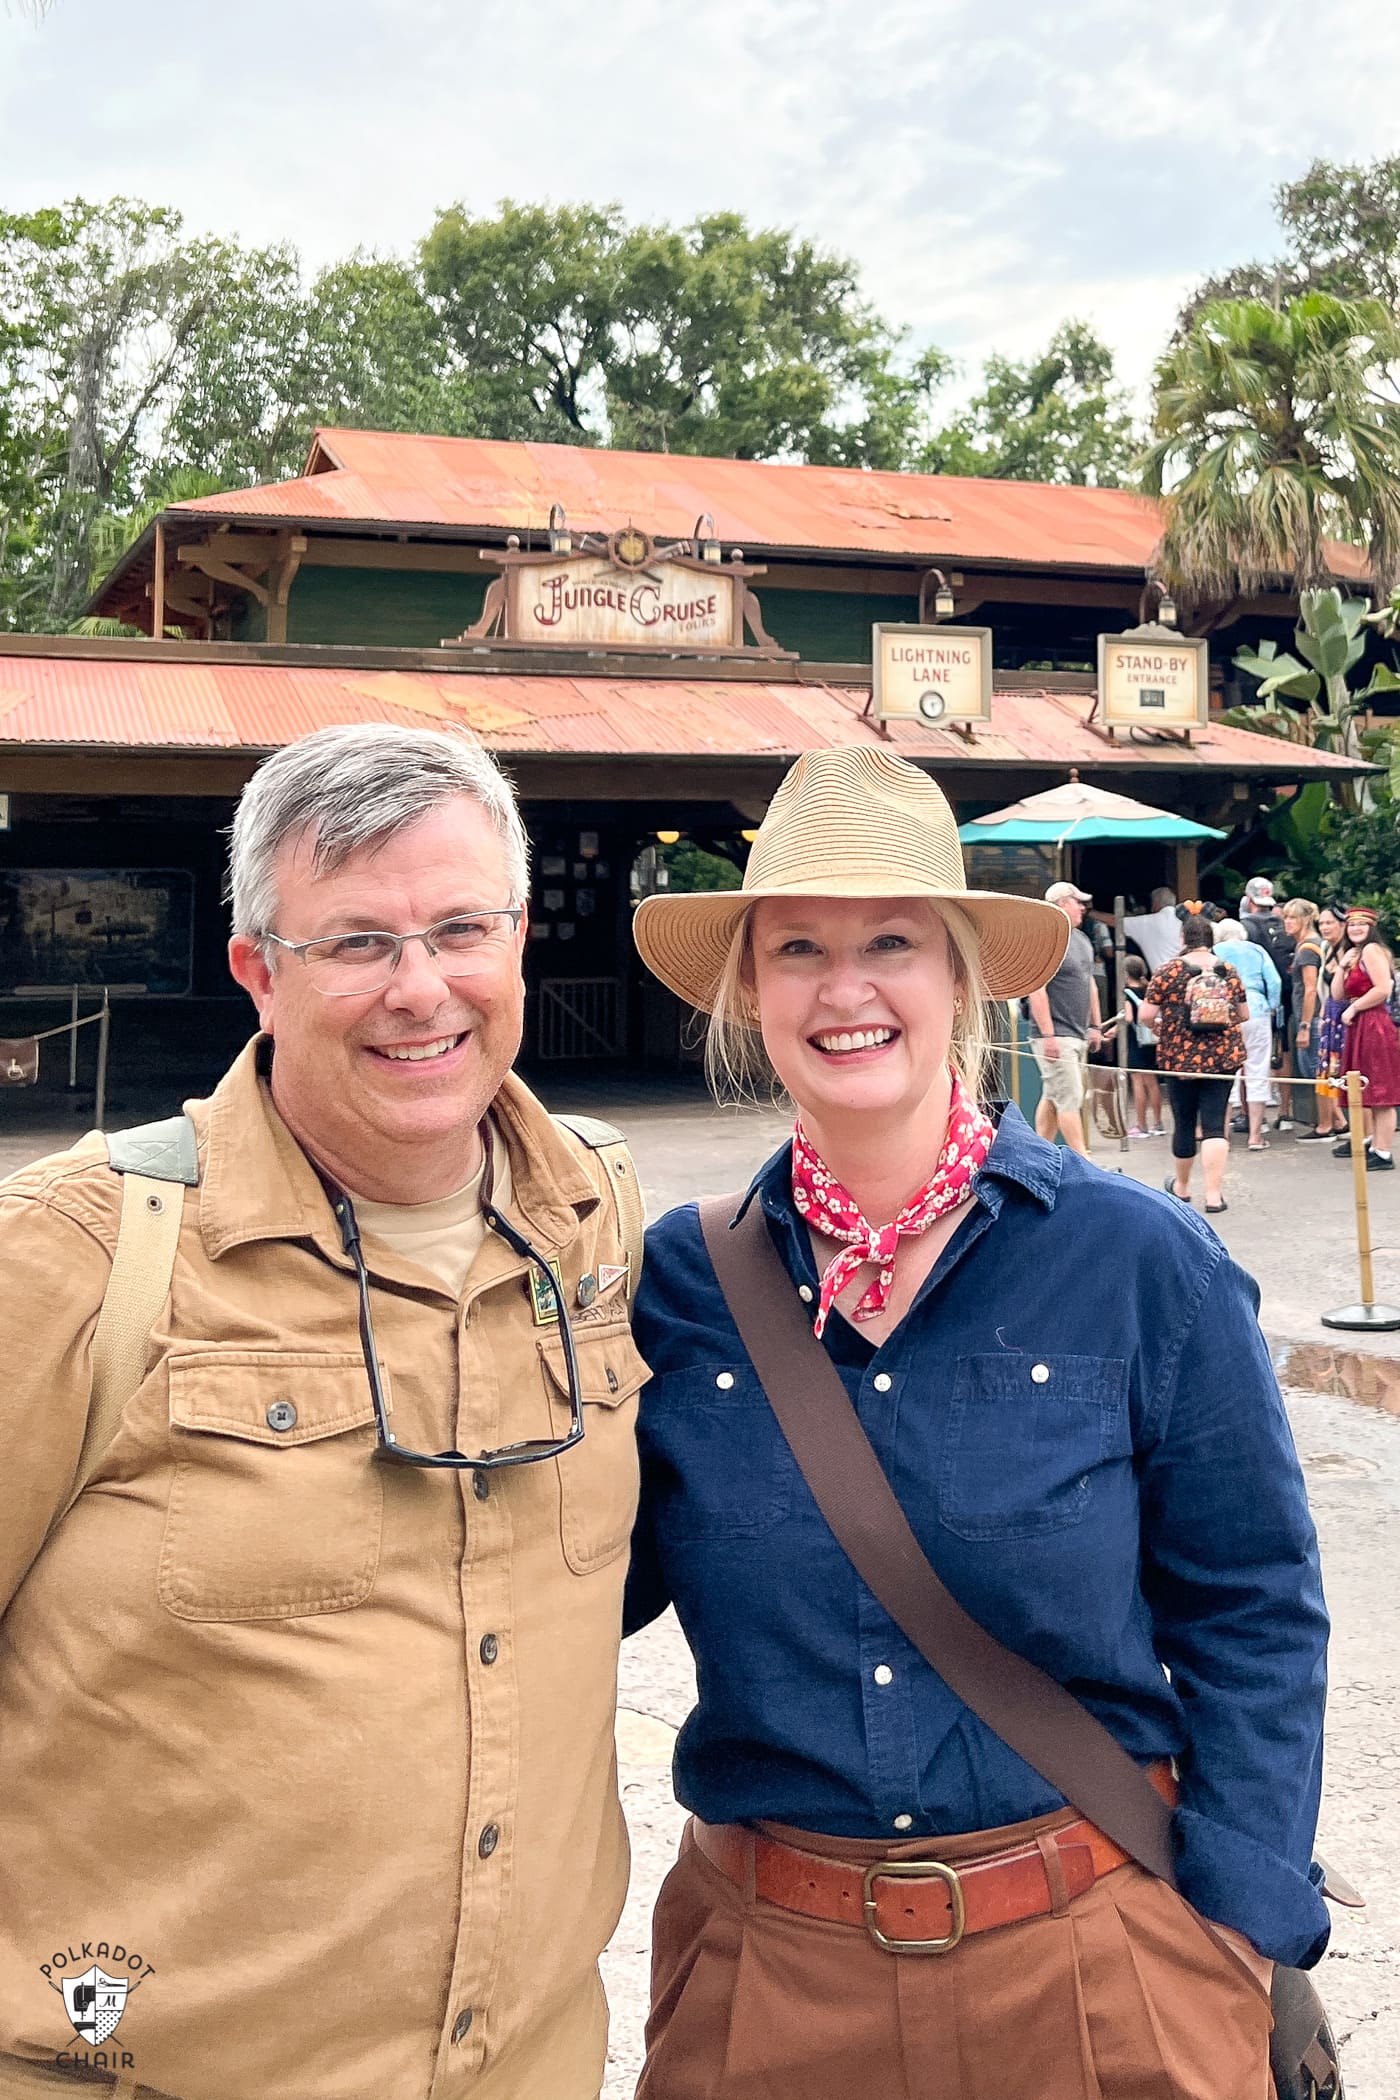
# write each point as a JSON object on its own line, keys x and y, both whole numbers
{"x": 390, "y": 608}
{"x": 830, "y": 627}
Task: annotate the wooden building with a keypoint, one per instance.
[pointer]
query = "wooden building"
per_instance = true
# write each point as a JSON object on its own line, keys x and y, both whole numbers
{"x": 646, "y": 641}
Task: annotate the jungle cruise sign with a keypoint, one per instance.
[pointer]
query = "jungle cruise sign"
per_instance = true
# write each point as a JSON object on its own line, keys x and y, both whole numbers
{"x": 625, "y": 591}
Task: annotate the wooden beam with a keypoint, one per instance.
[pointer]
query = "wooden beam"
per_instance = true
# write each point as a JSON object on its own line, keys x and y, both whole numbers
{"x": 291, "y": 549}
{"x": 204, "y": 559}
{"x": 158, "y": 585}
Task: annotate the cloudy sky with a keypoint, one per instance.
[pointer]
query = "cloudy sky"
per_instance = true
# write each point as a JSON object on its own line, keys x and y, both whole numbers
{"x": 993, "y": 165}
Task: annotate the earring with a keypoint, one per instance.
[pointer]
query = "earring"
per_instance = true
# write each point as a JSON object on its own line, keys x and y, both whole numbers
{"x": 958, "y": 1007}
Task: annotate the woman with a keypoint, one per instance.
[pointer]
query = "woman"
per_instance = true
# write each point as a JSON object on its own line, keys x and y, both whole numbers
{"x": 1196, "y": 1005}
{"x": 1142, "y": 1054}
{"x": 1362, "y": 981}
{"x": 1332, "y": 925}
{"x": 1300, "y": 916}
{"x": 1056, "y": 1441}
{"x": 1263, "y": 988}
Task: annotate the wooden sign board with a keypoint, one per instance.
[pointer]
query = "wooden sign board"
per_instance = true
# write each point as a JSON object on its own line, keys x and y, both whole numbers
{"x": 1153, "y": 681}
{"x": 594, "y": 601}
{"x": 935, "y": 675}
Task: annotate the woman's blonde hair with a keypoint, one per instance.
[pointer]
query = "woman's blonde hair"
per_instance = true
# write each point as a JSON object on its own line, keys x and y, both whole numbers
{"x": 737, "y": 1066}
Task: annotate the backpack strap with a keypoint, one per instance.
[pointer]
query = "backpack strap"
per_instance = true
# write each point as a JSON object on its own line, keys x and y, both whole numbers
{"x": 612, "y": 1149}
{"x": 155, "y": 1161}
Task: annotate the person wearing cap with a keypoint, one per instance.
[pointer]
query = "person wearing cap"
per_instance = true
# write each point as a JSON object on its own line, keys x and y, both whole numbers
{"x": 1064, "y": 1018}
{"x": 1058, "y": 1446}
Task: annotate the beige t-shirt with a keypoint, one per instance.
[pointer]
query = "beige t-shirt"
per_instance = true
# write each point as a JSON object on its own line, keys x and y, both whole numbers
{"x": 442, "y": 1236}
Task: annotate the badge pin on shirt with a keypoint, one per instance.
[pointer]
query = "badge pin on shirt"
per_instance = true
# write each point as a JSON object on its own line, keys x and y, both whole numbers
{"x": 609, "y": 1276}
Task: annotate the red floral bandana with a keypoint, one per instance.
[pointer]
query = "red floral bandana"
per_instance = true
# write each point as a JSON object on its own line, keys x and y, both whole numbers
{"x": 828, "y": 1207}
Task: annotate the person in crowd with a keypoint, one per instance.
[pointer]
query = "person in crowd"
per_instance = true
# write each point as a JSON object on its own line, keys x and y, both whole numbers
{"x": 1056, "y": 1449}
{"x": 1264, "y": 991}
{"x": 1300, "y": 916}
{"x": 1263, "y": 922}
{"x": 1156, "y": 931}
{"x": 1331, "y": 927}
{"x": 1362, "y": 980}
{"x": 307, "y": 1699}
{"x": 1197, "y": 1006}
{"x": 1065, "y": 1018}
{"x": 1142, "y": 1054}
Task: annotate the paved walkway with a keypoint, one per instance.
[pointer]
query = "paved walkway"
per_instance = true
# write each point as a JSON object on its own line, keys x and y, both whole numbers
{"x": 1290, "y": 1222}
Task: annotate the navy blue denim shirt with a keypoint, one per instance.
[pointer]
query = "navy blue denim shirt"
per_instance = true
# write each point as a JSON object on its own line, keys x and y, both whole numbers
{"x": 1137, "y": 1511}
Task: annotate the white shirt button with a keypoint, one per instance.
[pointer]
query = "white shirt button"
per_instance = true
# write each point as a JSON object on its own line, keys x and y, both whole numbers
{"x": 882, "y": 1381}
{"x": 883, "y": 1674}
{"x": 904, "y": 1822}
{"x": 725, "y": 1380}
{"x": 1040, "y": 1372}
{"x": 804, "y": 1292}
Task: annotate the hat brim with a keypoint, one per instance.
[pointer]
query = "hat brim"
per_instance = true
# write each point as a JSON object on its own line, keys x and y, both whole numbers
{"x": 685, "y": 940}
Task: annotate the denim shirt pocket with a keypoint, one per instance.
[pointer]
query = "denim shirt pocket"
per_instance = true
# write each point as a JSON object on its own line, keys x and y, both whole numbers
{"x": 734, "y": 1476}
{"x": 1025, "y": 1435}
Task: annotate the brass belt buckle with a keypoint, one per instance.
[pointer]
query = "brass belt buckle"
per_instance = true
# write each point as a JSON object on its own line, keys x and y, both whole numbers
{"x": 914, "y": 1870}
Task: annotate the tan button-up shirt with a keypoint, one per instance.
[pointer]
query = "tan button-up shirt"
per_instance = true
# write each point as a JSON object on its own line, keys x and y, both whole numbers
{"x": 324, "y": 1745}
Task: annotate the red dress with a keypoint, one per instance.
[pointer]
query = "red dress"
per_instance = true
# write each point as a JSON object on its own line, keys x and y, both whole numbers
{"x": 1371, "y": 1045}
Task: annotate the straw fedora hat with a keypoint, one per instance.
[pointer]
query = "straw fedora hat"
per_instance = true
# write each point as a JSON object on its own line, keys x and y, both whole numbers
{"x": 852, "y": 824}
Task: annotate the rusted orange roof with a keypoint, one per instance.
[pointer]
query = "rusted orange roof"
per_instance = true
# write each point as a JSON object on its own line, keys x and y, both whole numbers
{"x": 126, "y": 699}
{"x": 474, "y": 483}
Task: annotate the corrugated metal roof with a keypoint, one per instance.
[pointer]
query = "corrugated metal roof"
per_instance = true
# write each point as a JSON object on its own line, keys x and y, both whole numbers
{"x": 142, "y": 705}
{"x": 464, "y": 483}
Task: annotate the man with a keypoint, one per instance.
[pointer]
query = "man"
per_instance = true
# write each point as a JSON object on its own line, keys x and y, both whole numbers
{"x": 1263, "y": 923}
{"x": 1157, "y": 932}
{"x": 307, "y": 1755}
{"x": 1065, "y": 1020}
{"x": 1254, "y": 1085}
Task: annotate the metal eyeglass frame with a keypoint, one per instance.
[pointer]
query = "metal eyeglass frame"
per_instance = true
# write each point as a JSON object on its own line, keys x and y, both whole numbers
{"x": 301, "y": 949}
{"x": 388, "y": 1447}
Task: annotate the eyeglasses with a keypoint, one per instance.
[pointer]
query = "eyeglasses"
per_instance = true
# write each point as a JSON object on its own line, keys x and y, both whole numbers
{"x": 341, "y": 965}
{"x": 388, "y": 1448}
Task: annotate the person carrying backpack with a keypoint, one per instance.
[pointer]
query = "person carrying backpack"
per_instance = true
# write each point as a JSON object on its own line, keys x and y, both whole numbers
{"x": 1196, "y": 1005}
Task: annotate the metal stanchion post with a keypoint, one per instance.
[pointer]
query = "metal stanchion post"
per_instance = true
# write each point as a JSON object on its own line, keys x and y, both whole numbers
{"x": 1120, "y": 985}
{"x": 1366, "y": 1315}
{"x": 73, "y": 1040}
{"x": 104, "y": 1030}
{"x": 1013, "y": 1008}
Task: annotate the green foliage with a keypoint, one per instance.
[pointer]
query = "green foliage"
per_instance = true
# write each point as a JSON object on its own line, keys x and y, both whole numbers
{"x": 574, "y": 326}
{"x": 1059, "y": 417}
{"x": 690, "y": 867}
{"x": 1341, "y": 228}
{"x": 1330, "y": 643}
{"x": 1273, "y": 432}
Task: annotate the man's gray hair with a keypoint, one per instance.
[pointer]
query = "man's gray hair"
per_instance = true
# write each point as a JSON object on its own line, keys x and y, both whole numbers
{"x": 1163, "y": 899}
{"x": 353, "y": 786}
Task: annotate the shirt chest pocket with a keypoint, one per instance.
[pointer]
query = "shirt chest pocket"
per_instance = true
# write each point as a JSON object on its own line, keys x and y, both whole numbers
{"x": 276, "y": 1503}
{"x": 1026, "y": 1435}
{"x": 598, "y": 1477}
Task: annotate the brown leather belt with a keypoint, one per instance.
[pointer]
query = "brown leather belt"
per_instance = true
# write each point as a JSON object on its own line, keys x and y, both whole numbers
{"x": 923, "y": 1906}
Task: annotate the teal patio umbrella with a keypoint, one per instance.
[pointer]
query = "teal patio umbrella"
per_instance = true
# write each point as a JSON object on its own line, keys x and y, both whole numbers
{"x": 1078, "y": 815}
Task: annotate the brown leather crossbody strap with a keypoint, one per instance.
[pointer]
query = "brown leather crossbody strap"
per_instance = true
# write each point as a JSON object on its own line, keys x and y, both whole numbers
{"x": 1038, "y": 1718}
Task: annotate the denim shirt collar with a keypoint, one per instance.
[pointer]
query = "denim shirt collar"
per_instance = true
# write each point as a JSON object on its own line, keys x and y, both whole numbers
{"x": 1018, "y": 1159}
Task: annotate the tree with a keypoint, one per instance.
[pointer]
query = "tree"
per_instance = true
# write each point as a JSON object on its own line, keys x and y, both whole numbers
{"x": 1271, "y": 435}
{"x": 572, "y": 325}
{"x": 1059, "y": 417}
{"x": 1341, "y": 227}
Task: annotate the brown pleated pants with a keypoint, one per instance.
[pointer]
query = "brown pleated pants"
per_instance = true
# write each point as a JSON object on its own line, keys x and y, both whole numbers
{"x": 1123, "y": 1995}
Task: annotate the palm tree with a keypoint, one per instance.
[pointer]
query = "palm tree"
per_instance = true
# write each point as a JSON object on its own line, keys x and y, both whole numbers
{"x": 1272, "y": 436}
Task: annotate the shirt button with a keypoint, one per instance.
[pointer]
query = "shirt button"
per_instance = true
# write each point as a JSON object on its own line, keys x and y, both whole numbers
{"x": 900, "y": 1823}
{"x": 490, "y": 1648}
{"x": 882, "y": 1381}
{"x": 1040, "y": 1372}
{"x": 281, "y": 1415}
{"x": 612, "y": 1381}
{"x": 462, "y": 2026}
{"x": 804, "y": 1292}
{"x": 481, "y": 1485}
{"x": 883, "y": 1674}
{"x": 488, "y": 1841}
{"x": 725, "y": 1380}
